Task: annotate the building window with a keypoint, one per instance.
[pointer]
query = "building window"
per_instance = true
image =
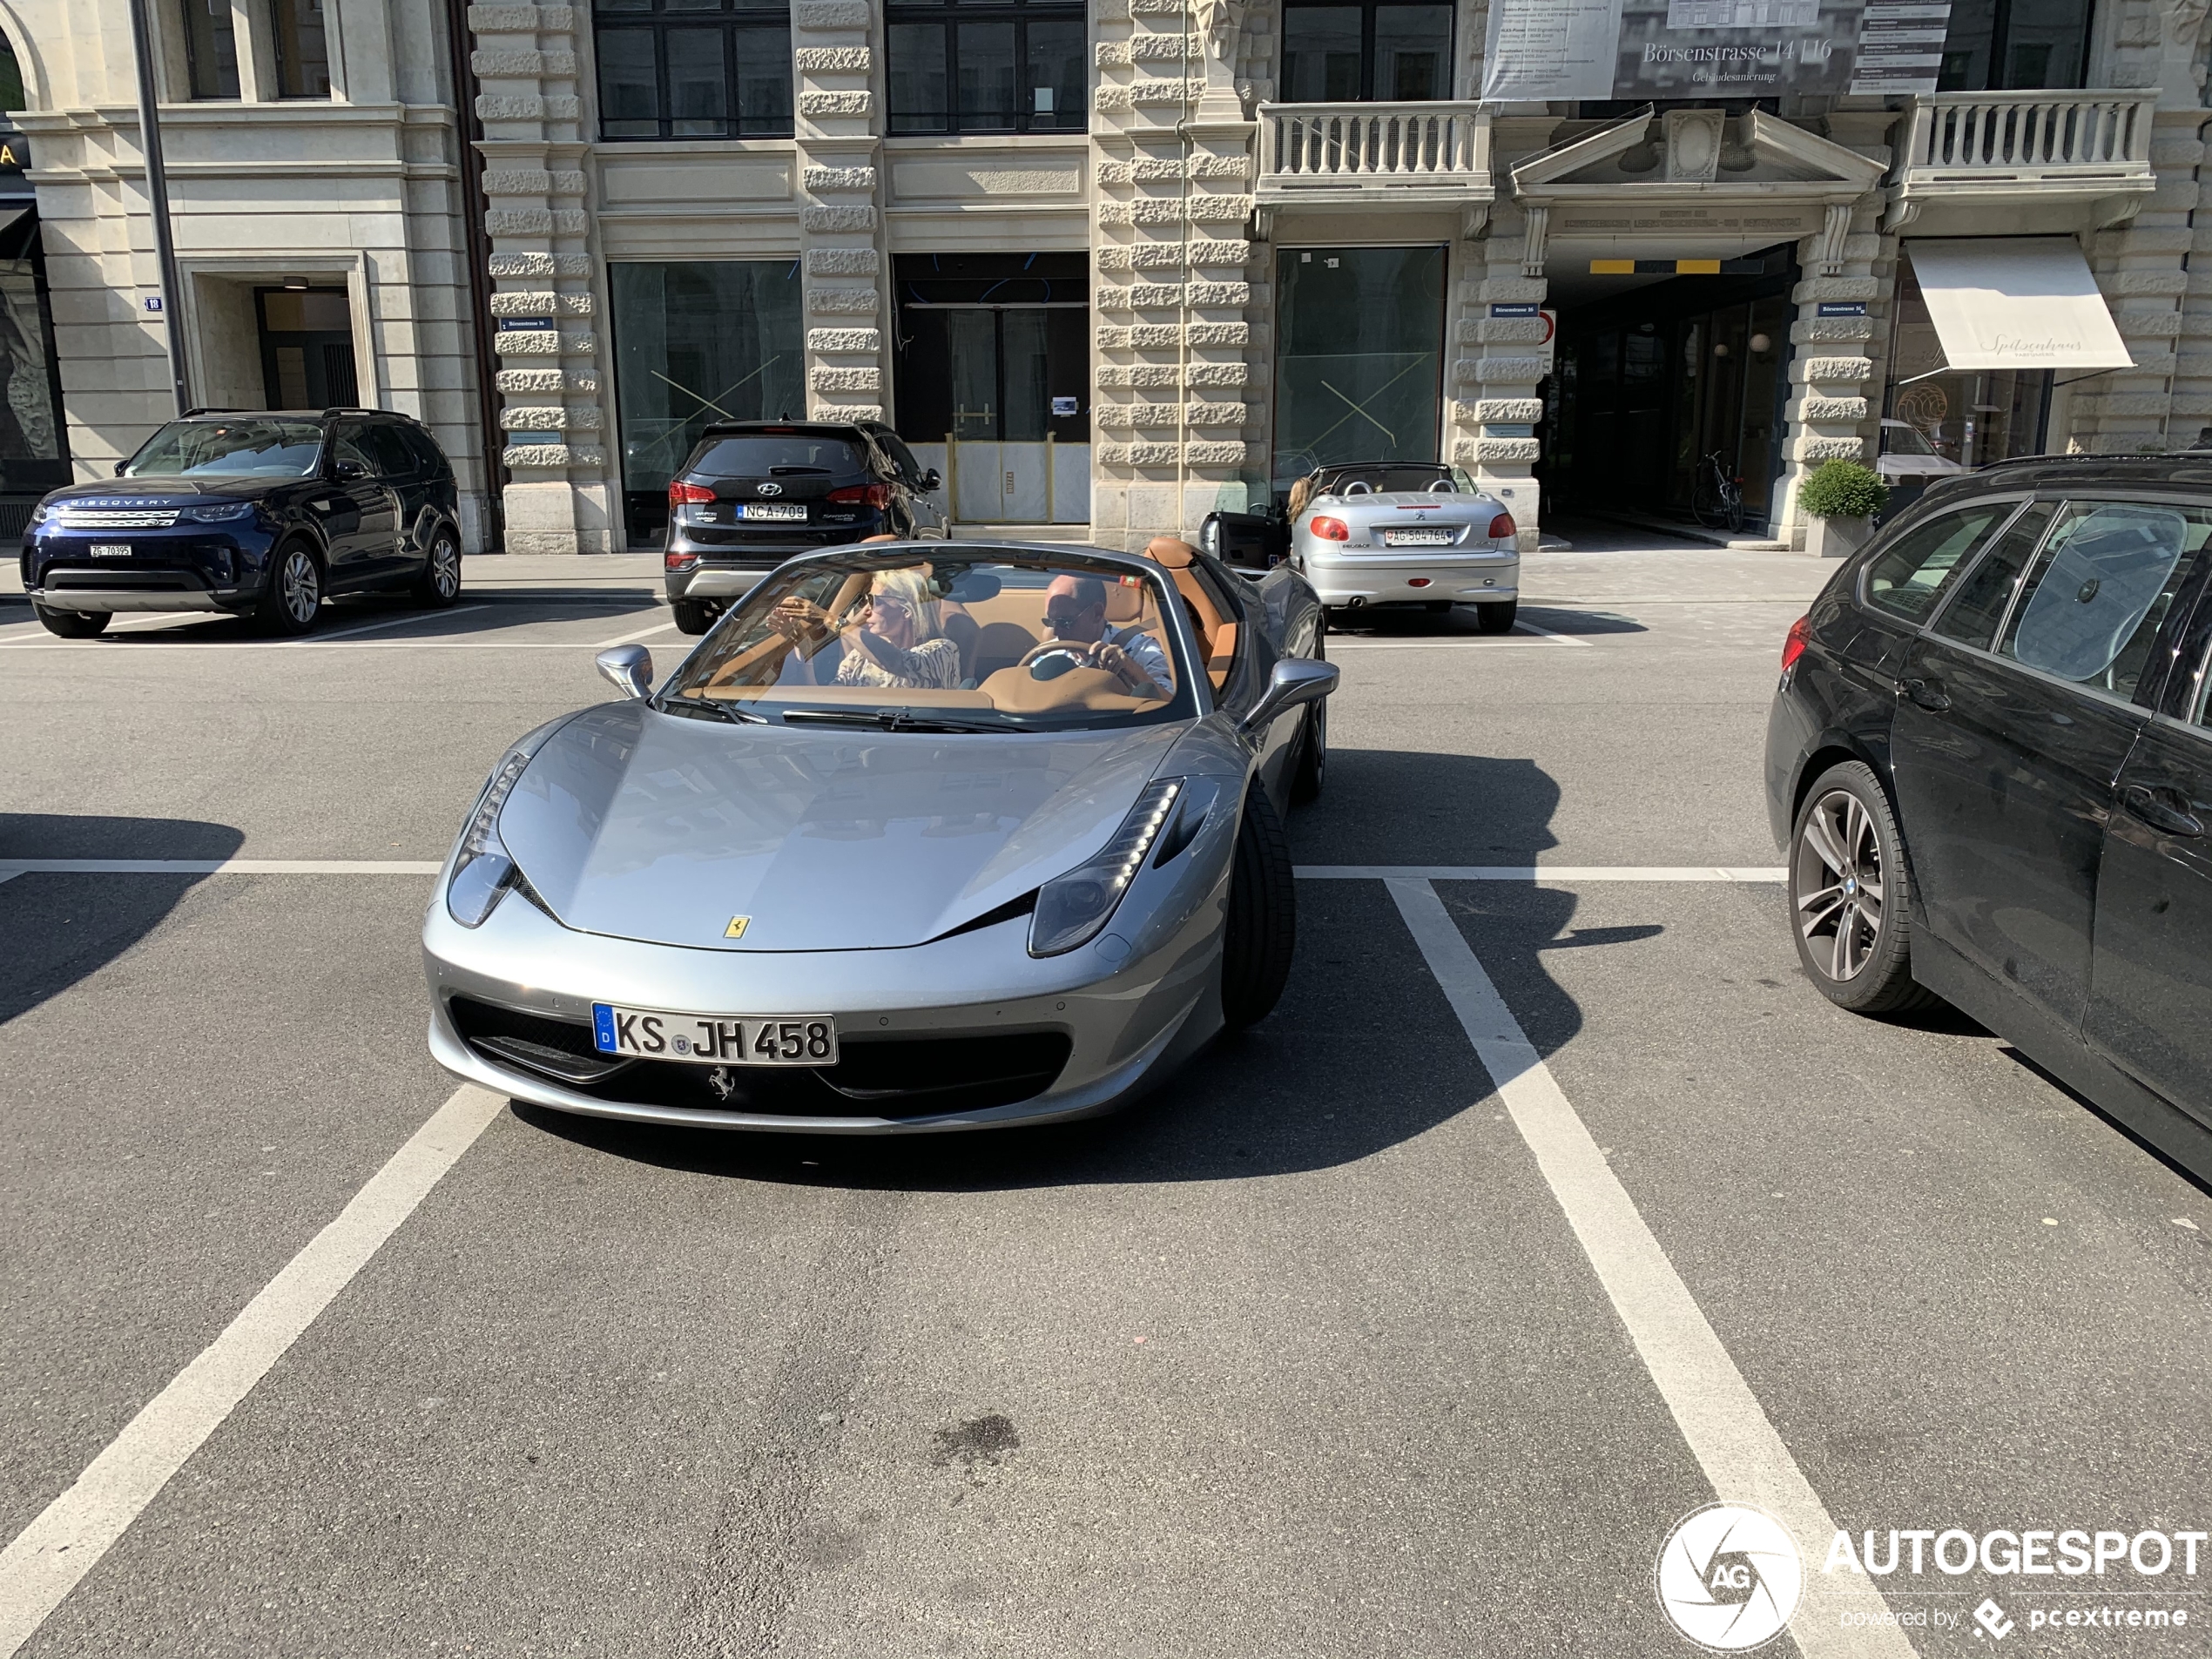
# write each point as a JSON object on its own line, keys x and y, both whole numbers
{"x": 2005, "y": 45}
{"x": 987, "y": 66}
{"x": 697, "y": 341}
{"x": 694, "y": 68}
{"x": 1341, "y": 54}
{"x": 211, "y": 48}
{"x": 303, "y": 51}
{"x": 1937, "y": 421}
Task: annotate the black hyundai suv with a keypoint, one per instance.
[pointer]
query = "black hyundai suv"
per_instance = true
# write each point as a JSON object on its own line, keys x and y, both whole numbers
{"x": 753, "y": 493}
{"x": 1989, "y": 759}
{"x": 261, "y": 514}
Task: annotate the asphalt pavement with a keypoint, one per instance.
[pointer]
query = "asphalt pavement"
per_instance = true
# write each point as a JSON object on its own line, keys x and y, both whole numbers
{"x": 1542, "y": 1213}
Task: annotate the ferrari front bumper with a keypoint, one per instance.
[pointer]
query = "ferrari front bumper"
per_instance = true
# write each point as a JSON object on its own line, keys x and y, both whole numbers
{"x": 1121, "y": 1024}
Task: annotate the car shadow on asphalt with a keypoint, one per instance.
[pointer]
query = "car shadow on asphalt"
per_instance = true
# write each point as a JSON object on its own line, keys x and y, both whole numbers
{"x": 57, "y": 929}
{"x": 1411, "y": 623}
{"x": 393, "y": 619}
{"x": 1363, "y": 1053}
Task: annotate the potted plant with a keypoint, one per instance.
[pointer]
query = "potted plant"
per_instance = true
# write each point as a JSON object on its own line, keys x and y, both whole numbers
{"x": 1840, "y": 498}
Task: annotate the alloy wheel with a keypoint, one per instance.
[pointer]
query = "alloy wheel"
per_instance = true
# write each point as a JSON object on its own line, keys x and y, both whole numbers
{"x": 302, "y": 587}
{"x": 1837, "y": 885}
{"x": 445, "y": 567}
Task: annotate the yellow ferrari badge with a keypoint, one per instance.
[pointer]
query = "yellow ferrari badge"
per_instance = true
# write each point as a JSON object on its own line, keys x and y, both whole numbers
{"x": 736, "y": 929}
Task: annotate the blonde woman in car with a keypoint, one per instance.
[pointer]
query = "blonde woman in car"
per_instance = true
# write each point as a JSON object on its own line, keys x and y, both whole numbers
{"x": 897, "y": 643}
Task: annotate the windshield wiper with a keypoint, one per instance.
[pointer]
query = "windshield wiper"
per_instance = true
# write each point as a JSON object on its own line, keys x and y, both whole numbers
{"x": 889, "y": 719}
{"x": 701, "y": 706}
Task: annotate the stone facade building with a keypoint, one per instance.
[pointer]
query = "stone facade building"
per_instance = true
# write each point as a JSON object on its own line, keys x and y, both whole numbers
{"x": 1121, "y": 263}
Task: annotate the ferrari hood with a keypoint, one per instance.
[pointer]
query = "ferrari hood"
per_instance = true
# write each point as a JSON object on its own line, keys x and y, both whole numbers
{"x": 665, "y": 828}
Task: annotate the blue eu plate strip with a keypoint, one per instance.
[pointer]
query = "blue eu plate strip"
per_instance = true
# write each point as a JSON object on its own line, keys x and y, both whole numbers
{"x": 602, "y": 1026}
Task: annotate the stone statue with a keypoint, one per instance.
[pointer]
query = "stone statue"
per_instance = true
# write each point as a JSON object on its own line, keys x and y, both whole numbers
{"x": 1218, "y": 22}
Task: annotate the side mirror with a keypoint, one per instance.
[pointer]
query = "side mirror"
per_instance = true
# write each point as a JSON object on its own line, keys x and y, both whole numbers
{"x": 932, "y": 480}
{"x": 629, "y": 667}
{"x": 1296, "y": 682}
{"x": 347, "y": 471}
{"x": 120, "y": 465}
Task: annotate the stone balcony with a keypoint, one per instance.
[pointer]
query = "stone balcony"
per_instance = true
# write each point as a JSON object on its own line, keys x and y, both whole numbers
{"x": 2022, "y": 163}
{"x": 1417, "y": 155}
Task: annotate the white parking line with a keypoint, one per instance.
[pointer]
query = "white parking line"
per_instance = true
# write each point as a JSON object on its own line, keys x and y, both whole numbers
{"x": 322, "y": 644}
{"x": 631, "y": 639}
{"x": 390, "y": 622}
{"x": 1468, "y": 642}
{"x": 1728, "y": 1430}
{"x": 218, "y": 866}
{"x": 1541, "y": 875}
{"x": 1564, "y": 639}
{"x": 47, "y": 1559}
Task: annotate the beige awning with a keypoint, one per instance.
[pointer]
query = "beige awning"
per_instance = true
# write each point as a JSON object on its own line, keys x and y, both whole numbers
{"x": 2016, "y": 302}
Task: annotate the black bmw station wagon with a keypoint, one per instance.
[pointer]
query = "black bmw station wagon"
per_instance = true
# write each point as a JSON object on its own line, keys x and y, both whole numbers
{"x": 1989, "y": 759}
{"x": 259, "y": 515}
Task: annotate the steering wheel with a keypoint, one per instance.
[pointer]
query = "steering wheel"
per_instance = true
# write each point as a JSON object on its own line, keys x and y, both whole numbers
{"x": 1073, "y": 650}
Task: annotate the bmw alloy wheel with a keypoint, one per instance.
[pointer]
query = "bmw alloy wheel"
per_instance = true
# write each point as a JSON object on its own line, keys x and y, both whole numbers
{"x": 1838, "y": 885}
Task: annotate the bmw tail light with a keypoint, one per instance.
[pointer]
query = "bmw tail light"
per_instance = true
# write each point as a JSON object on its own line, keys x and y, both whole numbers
{"x": 683, "y": 494}
{"x": 874, "y": 495}
{"x": 1331, "y": 529}
{"x": 1501, "y": 527}
{"x": 1794, "y": 644}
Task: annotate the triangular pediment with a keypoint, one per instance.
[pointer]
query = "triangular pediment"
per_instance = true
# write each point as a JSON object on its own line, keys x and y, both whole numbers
{"x": 1696, "y": 151}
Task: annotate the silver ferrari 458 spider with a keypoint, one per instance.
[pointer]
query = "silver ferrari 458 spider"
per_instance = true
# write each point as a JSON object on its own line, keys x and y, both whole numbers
{"x": 921, "y": 837}
{"x": 1394, "y": 532}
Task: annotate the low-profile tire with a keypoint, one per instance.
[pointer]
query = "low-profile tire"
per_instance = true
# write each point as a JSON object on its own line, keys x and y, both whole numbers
{"x": 1497, "y": 618}
{"x": 293, "y": 593}
{"x": 692, "y": 616}
{"x": 75, "y": 624}
{"x": 1262, "y": 916}
{"x": 439, "y": 583}
{"x": 1850, "y": 895}
{"x": 1312, "y": 770}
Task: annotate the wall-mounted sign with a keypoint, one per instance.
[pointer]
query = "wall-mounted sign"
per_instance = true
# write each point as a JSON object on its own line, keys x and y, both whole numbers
{"x": 1528, "y": 310}
{"x": 1701, "y": 48}
{"x": 15, "y": 152}
{"x": 1842, "y": 307}
{"x": 1064, "y": 407}
{"x": 153, "y": 302}
{"x": 507, "y": 325}
{"x": 520, "y": 437}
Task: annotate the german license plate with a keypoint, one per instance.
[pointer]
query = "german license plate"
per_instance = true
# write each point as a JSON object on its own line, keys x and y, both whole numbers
{"x": 710, "y": 1040}
{"x": 110, "y": 550}
{"x": 1420, "y": 537}
{"x": 783, "y": 511}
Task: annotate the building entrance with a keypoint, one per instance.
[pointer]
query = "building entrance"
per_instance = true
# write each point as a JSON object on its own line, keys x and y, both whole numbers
{"x": 1646, "y": 384}
{"x": 307, "y": 348}
{"x": 994, "y": 378}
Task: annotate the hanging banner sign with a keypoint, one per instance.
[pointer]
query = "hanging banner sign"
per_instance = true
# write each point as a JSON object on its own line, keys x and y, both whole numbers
{"x": 1659, "y": 50}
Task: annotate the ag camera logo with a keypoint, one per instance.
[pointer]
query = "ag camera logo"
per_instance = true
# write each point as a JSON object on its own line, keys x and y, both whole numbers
{"x": 1728, "y": 1577}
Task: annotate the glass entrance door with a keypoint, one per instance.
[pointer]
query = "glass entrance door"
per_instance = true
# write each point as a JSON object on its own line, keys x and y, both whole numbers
{"x": 1016, "y": 442}
{"x": 1359, "y": 356}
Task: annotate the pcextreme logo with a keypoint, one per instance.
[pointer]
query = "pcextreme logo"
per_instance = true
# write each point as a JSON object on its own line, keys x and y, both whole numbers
{"x": 1728, "y": 1577}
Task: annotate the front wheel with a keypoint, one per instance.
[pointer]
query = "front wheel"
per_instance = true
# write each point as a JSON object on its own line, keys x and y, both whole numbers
{"x": 692, "y": 616}
{"x": 1262, "y": 933}
{"x": 439, "y": 583}
{"x": 1850, "y": 895}
{"x": 1733, "y": 511}
{"x": 293, "y": 594}
{"x": 1497, "y": 618}
{"x": 75, "y": 624}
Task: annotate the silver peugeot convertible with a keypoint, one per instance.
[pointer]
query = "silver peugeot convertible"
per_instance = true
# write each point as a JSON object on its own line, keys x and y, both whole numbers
{"x": 921, "y": 837}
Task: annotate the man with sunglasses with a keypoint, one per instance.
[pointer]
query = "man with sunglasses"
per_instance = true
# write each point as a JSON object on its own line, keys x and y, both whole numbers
{"x": 1075, "y": 611}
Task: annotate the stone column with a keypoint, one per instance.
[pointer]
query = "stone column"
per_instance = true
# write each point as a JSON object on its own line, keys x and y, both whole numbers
{"x": 839, "y": 219}
{"x": 1174, "y": 286}
{"x": 1498, "y": 363}
{"x": 552, "y": 381}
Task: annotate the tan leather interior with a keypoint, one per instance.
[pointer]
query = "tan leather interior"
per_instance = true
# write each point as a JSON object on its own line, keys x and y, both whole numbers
{"x": 1221, "y": 654}
{"x": 1124, "y": 604}
{"x": 1014, "y": 690}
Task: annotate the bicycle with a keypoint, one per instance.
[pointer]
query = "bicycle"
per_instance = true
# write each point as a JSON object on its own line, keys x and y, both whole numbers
{"x": 1718, "y": 499}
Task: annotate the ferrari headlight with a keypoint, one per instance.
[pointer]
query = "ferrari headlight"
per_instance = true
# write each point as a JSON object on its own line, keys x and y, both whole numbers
{"x": 1073, "y": 907}
{"x": 481, "y": 871}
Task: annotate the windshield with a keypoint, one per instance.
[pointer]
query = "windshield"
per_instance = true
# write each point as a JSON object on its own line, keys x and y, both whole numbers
{"x": 964, "y": 641}
{"x": 774, "y": 455}
{"x": 1386, "y": 479}
{"x": 257, "y": 448}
